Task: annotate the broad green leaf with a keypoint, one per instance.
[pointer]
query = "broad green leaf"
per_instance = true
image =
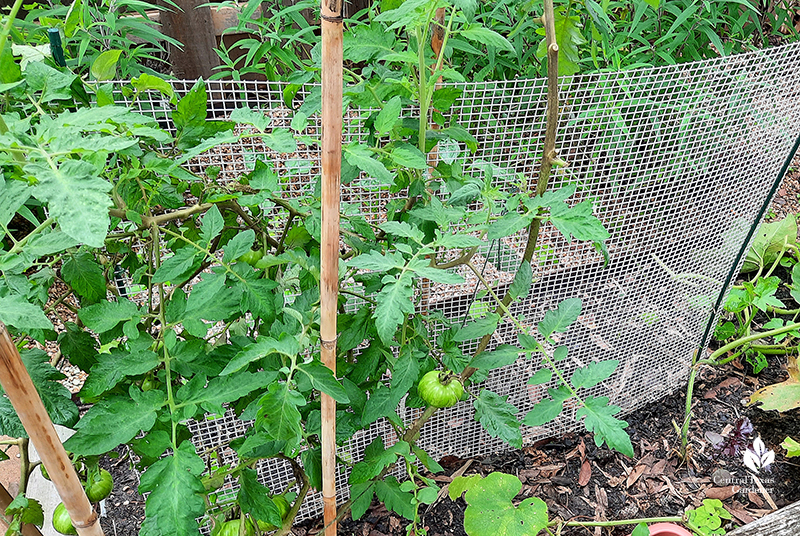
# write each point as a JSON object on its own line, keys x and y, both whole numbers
{"x": 562, "y": 318}
{"x": 322, "y": 379}
{"x": 398, "y": 501}
{"x": 106, "y": 315}
{"x": 769, "y": 241}
{"x": 115, "y": 420}
{"x": 260, "y": 299}
{"x": 78, "y": 346}
{"x": 76, "y": 197}
{"x": 543, "y": 412}
{"x": 212, "y": 225}
{"x": 593, "y": 373}
{"x": 509, "y": 224}
{"x": 176, "y": 493}
{"x": 388, "y": 116}
{"x": 264, "y": 346}
{"x": 376, "y": 458}
{"x": 211, "y": 394}
{"x": 461, "y": 484}
{"x": 27, "y": 511}
{"x": 467, "y": 6}
{"x": 147, "y": 82}
{"x": 578, "y": 221}
{"x": 403, "y": 229}
{"x": 383, "y": 401}
{"x": 248, "y": 116}
{"x": 361, "y": 157}
{"x": 104, "y": 66}
{"x": 478, "y": 328}
{"x": 764, "y": 291}
{"x": 491, "y": 510}
{"x": 312, "y": 465}
{"x": 56, "y": 398}
{"x": 239, "y": 245}
{"x": 394, "y": 302}
{"x": 782, "y": 396}
{"x": 254, "y": 498}
{"x": 280, "y": 140}
{"x": 426, "y": 460}
{"x": 488, "y": 37}
{"x": 423, "y": 268}
{"x": 541, "y": 376}
{"x": 85, "y": 276}
{"x": 501, "y": 356}
{"x": 521, "y": 285}
{"x": 607, "y": 429}
{"x": 179, "y": 267}
{"x": 378, "y": 262}
{"x": 406, "y": 155}
{"x": 361, "y": 497}
{"x": 73, "y": 19}
{"x": 641, "y": 530}
{"x": 111, "y": 368}
{"x": 13, "y": 194}
{"x": 498, "y": 417}
{"x": 17, "y": 312}
{"x": 279, "y": 415}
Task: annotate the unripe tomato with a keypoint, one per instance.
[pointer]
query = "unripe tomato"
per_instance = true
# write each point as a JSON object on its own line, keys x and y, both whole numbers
{"x": 99, "y": 486}
{"x": 150, "y": 383}
{"x": 61, "y": 521}
{"x": 251, "y": 257}
{"x": 440, "y": 389}
{"x": 231, "y": 528}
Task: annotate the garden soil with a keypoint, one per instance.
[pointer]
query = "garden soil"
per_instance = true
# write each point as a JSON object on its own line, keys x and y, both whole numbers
{"x": 581, "y": 482}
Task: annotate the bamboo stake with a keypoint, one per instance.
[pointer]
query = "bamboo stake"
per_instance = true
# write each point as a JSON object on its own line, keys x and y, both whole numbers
{"x": 5, "y": 500}
{"x": 331, "y": 14}
{"x": 29, "y": 407}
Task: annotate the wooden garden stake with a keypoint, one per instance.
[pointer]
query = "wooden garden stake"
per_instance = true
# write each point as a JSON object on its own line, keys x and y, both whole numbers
{"x": 331, "y": 14}
{"x": 29, "y": 407}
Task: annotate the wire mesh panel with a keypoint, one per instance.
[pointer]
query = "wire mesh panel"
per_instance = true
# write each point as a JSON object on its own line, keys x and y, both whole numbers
{"x": 677, "y": 162}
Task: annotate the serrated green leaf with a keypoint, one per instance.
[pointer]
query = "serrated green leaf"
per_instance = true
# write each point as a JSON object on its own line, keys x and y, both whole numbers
{"x": 56, "y": 398}
{"x": 503, "y": 355}
{"x": 406, "y": 155}
{"x": 114, "y": 421}
{"x": 509, "y": 224}
{"x": 323, "y": 380}
{"x": 487, "y": 37}
{"x": 17, "y": 312}
{"x": 106, "y": 315}
{"x": 374, "y": 260}
{"x": 578, "y": 221}
{"x": 361, "y": 497}
{"x": 541, "y": 376}
{"x": 280, "y": 140}
{"x": 76, "y": 198}
{"x": 521, "y": 285}
{"x": 498, "y": 417}
{"x": 388, "y": 116}
{"x": 239, "y": 245}
{"x": 361, "y": 157}
{"x": 85, "y": 276}
{"x": 279, "y": 415}
{"x": 561, "y": 318}
{"x": 212, "y": 393}
{"x": 543, "y": 412}
{"x": 491, "y": 510}
{"x": 593, "y": 373}
{"x": 398, "y": 501}
{"x": 212, "y": 225}
{"x": 248, "y": 116}
{"x": 176, "y": 493}
{"x": 13, "y": 194}
{"x": 395, "y": 300}
{"x": 254, "y": 498}
{"x": 477, "y": 329}
{"x": 402, "y": 229}
{"x": 179, "y": 267}
{"x": 113, "y": 367}
{"x": 78, "y": 346}
{"x": 607, "y": 429}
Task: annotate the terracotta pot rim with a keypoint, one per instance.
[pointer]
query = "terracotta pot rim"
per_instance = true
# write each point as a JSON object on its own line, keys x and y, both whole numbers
{"x": 668, "y": 529}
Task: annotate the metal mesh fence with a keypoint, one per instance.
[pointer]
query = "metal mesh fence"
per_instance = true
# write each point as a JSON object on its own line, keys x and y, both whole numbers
{"x": 677, "y": 160}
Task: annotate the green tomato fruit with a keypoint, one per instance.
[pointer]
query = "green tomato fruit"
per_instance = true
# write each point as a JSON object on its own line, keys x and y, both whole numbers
{"x": 251, "y": 257}
{"x": 99, "y": 487}
{"x": 231, "y": 528}
{"x": 440, "y": 389}
{"x": 282, "y": 504}
{"x": 150, "y": 383}
{"x": 61, "y": 521}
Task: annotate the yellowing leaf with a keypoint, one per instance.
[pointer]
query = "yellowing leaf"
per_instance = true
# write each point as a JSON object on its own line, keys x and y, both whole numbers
{"x": 780, "y": 396}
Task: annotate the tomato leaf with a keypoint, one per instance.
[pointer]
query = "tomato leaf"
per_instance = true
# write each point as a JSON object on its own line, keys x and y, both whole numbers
{"x": 254, "y": 498}
{"x": 106, "y": 315}
{"x": 279, "y": 416}
{"x": 600, "y": 420}
{"x": 543, "y": 412}
{"x": 561, "y": 318}
{"x": 114, "y": 421}
{"x": 498, "y": 417}
{"x": 17, "y": 312}
{"x": 322, "y": 379}
{"x": 593, "y": 373}
{"x": 176, "y": 493}
{"x": 501, "y": 356}
{"x": 85, "y": 276}
{"x": 398, "y": 501}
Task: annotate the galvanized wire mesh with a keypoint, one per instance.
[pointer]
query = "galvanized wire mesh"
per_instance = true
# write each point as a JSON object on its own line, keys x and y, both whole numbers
{"x": 677, "y": 161}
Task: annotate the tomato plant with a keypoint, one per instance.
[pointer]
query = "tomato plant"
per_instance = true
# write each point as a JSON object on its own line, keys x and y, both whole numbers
{"x": 216, "y": 328}
{"x": 440, "y": 389}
